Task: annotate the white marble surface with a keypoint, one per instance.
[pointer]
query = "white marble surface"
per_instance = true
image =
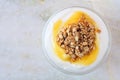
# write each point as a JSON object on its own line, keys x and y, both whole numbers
{"x": 21, "y": 24}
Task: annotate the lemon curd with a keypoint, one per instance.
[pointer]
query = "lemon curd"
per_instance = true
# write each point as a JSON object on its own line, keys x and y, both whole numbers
{"x": 74, "y": 18}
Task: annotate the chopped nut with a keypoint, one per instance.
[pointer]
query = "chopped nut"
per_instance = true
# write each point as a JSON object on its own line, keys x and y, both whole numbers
{"x": 73, "y": 56}
{"x": 74, "y": 29}
{"x": 77, "y": 47}
{"x": 60, "y": 36}
{"x": 68, "y": 31}
{"x": 72, "y": 43}
{"x": 64, "y": 34}
{"x": 86, "y": 49}
{"x": 57, "y": 39}
{"x": 84, "y": 43}
{"x": 66, "y": 42}
{"x": 63, "y": 46}
{"x": 66, "y": 51}
{"x": 76, "y": 38}
{"x": 79, "y": 54}
{"x": 70, "y": 52}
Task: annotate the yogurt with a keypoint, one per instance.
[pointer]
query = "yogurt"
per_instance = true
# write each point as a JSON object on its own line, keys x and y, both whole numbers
{"x": 104, "y": 42}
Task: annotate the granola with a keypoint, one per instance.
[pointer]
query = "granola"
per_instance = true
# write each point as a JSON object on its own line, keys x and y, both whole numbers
{"x": 77, "y": 39}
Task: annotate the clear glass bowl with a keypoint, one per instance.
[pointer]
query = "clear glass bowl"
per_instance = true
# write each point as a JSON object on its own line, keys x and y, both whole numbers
{"x": 66, "y": 67}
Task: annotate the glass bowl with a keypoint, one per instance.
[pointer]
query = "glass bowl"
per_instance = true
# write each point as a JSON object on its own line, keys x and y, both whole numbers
{"x": 66, "y": 67}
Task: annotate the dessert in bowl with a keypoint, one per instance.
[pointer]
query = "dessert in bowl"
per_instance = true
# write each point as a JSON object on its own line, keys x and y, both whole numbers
{"x": 75, "y": 40}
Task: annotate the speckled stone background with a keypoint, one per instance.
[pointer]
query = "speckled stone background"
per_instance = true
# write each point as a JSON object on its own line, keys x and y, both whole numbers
{"x": 21, "y": 25}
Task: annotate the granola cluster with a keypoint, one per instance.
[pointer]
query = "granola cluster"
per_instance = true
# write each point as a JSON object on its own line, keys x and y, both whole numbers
{"x": 77, "y": 39}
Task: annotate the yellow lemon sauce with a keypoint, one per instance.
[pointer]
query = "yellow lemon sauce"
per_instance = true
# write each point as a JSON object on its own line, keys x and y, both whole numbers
{"x": 74, "y": 18}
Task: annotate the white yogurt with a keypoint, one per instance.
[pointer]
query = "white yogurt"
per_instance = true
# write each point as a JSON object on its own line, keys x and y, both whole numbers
{"x": 67, "y": 66}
